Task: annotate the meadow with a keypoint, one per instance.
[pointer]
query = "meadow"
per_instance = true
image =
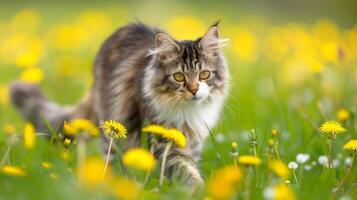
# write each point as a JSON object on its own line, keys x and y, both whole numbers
{"x": 283, "y": 133}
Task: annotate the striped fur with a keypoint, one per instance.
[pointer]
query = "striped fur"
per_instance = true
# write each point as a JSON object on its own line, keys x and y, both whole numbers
{"x": 134, "y": 84}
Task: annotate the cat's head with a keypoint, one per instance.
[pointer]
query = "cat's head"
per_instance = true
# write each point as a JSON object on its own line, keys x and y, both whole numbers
{"x": 186, "y": 72}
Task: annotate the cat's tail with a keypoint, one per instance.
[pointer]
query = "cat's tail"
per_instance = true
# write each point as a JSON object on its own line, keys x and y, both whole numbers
{"x": 37, "y": 109}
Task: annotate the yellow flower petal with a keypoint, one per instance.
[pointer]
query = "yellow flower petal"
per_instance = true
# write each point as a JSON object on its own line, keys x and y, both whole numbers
{"x": 351, "y": 145}
{"x": 224, "y": 183}
{"x": 245, "y": 46}
{"x": 343, "y": 115}
{"x": 29, "y": 136}
{"x": 139, "y": 158}
{"x": 114, "y": 129}
{"x": 280, "y": 169}
{"x": 32, "y": 75}
{"x": 67, "y": 141}
{"x": 91, "y": 173}
{"x": 194, "y": 27}
{"x": 78, "y": 126}
{"x": 15, "y": 171}
{"x": 274, "y": 132}
{"x": 283, "y": 192}
{"x": 171, "y": 134}
{"x": 125, "y": 189}
{"x": 249, "y": 160}
{"x": 4, "y": 95}
{"x": 332, "y": 127}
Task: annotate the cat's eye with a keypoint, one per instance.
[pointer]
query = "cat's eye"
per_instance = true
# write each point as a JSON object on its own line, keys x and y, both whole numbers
{"x": 179, "y": 77}
{"x": 204, "y": 75}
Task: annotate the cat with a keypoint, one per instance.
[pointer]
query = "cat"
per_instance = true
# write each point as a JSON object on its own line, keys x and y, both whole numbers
{"x": 144, "y": 76}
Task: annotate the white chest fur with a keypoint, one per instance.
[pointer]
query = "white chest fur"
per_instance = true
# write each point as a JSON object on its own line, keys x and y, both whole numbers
{"x": 199, "y": 116}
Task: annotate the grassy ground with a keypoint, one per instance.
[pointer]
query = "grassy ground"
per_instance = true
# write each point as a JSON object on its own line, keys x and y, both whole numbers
{"x": 289, "y": 75}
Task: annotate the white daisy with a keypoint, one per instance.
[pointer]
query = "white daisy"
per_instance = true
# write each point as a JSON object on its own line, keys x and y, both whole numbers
{"x": 302, "y": 158}
{"x": 348, "y": 161}
{"x": 336, "y": 163}
{"x": 293, "y": 165}
{"x": 323, "y": 160}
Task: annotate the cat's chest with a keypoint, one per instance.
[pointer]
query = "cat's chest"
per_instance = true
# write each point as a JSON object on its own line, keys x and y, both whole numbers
{"x": 199, "y": 118}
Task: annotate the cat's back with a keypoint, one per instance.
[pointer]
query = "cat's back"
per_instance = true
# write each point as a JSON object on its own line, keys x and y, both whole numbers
{"x": 131, "y": 41}
{"x": 119, "y": 68}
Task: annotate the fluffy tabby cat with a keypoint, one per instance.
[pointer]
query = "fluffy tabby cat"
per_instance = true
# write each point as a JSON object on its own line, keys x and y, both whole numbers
{"x": 142, "y": 75}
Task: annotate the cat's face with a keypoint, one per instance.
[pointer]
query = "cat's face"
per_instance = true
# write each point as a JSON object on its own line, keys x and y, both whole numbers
{"x": 187, "y": 72}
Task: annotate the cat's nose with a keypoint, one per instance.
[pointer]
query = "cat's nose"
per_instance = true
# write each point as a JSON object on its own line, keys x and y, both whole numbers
{"x": 193, "y": 90}
{"x": 192, "y": 87}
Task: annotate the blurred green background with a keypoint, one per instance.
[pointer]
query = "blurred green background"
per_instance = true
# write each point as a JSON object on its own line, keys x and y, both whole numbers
{"x": 293, "y": 64}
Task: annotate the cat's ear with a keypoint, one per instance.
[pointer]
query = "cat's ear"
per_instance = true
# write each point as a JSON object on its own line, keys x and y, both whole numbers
{"x": 165, "y": 47}
{"x": 210, "y": 43}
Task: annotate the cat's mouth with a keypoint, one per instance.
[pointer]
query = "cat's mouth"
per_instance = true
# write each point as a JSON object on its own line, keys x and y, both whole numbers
{"x": 196, "y": 98}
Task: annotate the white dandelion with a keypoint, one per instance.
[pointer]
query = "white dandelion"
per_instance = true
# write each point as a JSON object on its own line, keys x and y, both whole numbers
{"x": 323, "y": 160}
{"x": 302, "y": 158}
{"x": 293, "y": 165}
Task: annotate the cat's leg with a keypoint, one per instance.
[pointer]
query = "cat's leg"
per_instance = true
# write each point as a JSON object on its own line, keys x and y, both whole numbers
{"x": 179, "y": 164}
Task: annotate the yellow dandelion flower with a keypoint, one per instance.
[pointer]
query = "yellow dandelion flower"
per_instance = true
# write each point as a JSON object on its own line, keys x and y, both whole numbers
{"x": 156, "y": 129}
{"x": 245, "y": 45}
{"x": 234, "y": 146}
{"x": 280, "y": 169}
{"x": 78, "y": 126}
{"x": 224, "y": 183}
{"x": 67, "y": 141}
{"x": 46, "y": 165}
{"x": 351, "y": 145}
{"x": 68, "y": 36}
{"x": 91, "y": 172}
{"x": 176, "y": 136}
{"x": 329, "y": 51}
{"x": 68, "y": 129}
{"x": 4, "y": 95}
{"x": 249, "y": 160}
{"x": 283, "y": 192}
{"x": 343, "y": 115}
{"x": 9, "y": 129}
{"x": 114, "y": 129}
{"x": 196, "y": 27}
{"x": 125, "y": 189}
{"x": 29, "y": 136}
{"x": 32, "y": 75}
{"x": 274, "y": 132}
{"x": 171, "y": 134}
{"x": 139, "y": 158}
{"x": 15, "y": 171}
{"x": 332, "y": 127}
{"x": 31, "y": 53}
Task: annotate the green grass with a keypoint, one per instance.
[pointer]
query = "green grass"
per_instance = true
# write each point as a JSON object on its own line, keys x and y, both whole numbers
{"x": 262, "y": 97}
